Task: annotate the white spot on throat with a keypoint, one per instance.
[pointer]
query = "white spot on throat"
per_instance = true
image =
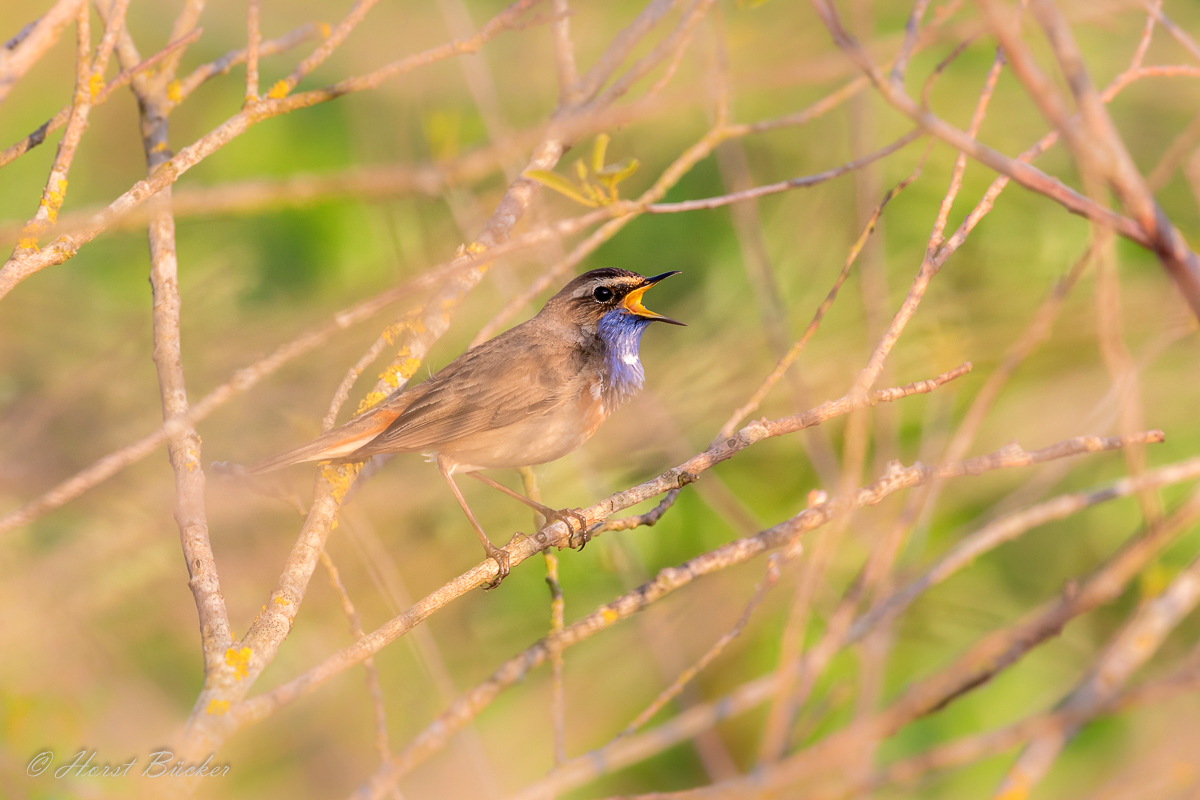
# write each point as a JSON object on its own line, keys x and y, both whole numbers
{"x": 630, "y": 358}
{"x": 597, "y": 387}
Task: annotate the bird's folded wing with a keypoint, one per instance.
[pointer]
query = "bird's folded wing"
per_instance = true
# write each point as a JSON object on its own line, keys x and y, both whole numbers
{"x": 478, "y": 392}
{"x": 342, "y": 440}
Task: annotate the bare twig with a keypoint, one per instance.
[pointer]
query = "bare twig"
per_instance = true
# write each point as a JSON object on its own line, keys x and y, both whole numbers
{"x": 65, "y": 246}
{"x": 1011, "y": 526}
{"x": 985, "y": 659}
{"x": 1027, "y": 176}
{"x": 620, "y": 47}
{"x": 669, "y": 693}
{"x": 698, "y": 151}
{"x": 32, "y": 43}
{"x": 372, "y": 672}
{"x": 123, "y": 78}
{"x": 179, "y": 90}
{"x": 649, "y": 519}
{"x": 968, "y": 749}
{"x": 325, "y": 49}
{"x": 1154, "y": 7}
{"x": 564, "y": 54}
{"x": 558, "y": 608}
{"x": 253, "y": 40}
{"x": 625, "y": 751}
{"x": 1101, "y": 148}
{"x": 800, "y": 671}
{"x": 789, "y": 358}
{"x": 1174, "y": 156}
{"x": 783, "y": 186}
{"x": 56, "y": 184}
{"x": 183, "y": 443}
{"x": 1128, "y": 651}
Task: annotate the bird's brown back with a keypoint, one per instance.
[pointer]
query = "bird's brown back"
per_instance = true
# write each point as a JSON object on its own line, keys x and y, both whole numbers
{"x": 525, "y": 372}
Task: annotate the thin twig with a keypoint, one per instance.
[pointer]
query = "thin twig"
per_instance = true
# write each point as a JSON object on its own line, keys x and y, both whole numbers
{"x": 253, "y": 40}
{"x": 751, "y": 405}
{"x": 988, "y": 657}
{"x": 1137, "y": 641}
{"x": 64, "y": 247}
{"x": 325, "y": 49}
{"x": 179, "y": 90}
{"x": 668, "y": 694}
{"x": 564, "y": 54}
{"x": 558, "y": 608}
{"x": 626, "y": 751}
{"x": 24, "y": 50}
{"x": 123, "y": 78}
{"x": 669, "y": 177}
{"x": 1008, "y": 528}
{"x": 783, "y": 186}
{"x": 372, "y": 672}
{"x": 56, "y": 184}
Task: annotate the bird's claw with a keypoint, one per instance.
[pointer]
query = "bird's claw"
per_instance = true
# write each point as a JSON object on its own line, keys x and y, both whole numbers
{"x": 500, "y": 556}
{"x": 578, "y": 541}
{"x": 567, "y": 516}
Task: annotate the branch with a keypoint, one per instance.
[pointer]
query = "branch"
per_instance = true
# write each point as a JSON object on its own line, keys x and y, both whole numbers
{"x": 1029, "y": 177}
{"x": 56, "y": 183}
{"x": 180, "y": 89}
{"x": 981, "y": 662}
{"x": 67, "y": 245}
{"x": 58, "y": 120}
{"x": 1008, "y": 528}
{"x": 558, "y": 535}
{"x": 21, "y": 52}
{"x": 1137, "y": 641}
{"x": 626, "y": 751}
{"x": 783, "y": 186}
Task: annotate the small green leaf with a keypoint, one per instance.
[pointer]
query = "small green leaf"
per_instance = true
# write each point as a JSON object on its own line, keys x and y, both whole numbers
{"x": 598, "y": 151}
{"x": 615, "y": 173}
{"x": 558, "y": 183}
{"x": 581, "y": 171}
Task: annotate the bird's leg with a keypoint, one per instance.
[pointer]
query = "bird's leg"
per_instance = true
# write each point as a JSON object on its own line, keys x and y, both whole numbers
{"x": 566, "y": 515}
{"x": 499, "y": 555}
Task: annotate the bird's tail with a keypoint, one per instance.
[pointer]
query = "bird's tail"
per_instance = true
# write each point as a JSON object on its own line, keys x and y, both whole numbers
{"x": 337, "y": 443}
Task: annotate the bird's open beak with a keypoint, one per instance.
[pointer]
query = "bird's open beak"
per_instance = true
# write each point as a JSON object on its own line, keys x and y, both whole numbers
{"x": 633, "y": 300}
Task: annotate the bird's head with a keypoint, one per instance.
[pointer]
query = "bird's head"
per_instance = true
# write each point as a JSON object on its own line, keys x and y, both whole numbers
{"x": 614, "y": 295}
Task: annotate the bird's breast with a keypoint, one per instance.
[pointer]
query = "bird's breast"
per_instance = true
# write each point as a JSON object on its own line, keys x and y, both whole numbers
{"x": 594, "y": 408}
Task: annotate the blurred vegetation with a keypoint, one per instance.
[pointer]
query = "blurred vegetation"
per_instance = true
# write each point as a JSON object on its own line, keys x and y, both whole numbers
{"x": 101, "y": 626}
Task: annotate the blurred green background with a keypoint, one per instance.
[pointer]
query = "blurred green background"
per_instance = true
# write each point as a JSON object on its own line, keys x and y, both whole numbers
{"x": 102, "y": 647}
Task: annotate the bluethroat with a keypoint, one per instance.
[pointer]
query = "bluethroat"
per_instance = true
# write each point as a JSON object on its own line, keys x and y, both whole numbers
{"x": 527, "y": 396}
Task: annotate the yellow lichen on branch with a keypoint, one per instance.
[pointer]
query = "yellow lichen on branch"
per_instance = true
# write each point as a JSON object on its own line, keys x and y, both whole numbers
{"x": 340, "y": 478}
{"x": 239, "y": 660}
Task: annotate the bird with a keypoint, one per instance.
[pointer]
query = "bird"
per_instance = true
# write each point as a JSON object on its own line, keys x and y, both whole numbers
{"x": 527, "y": 396}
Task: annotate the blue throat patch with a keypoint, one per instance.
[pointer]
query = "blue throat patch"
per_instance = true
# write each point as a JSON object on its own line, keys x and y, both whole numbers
{"x": 621, "y": 333}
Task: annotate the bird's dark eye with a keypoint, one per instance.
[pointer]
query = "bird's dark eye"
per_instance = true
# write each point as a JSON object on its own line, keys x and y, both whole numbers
{"x": 602, "y": 294}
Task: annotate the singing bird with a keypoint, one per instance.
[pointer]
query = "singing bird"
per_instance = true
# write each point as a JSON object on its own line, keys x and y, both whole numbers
{"x": 527, "y": 396}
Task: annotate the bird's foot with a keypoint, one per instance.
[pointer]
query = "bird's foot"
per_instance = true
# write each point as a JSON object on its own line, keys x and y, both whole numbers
{"x": 575, "y": 521}
{"x": 500, "y": 556}
{"x": 578, "y": 534}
